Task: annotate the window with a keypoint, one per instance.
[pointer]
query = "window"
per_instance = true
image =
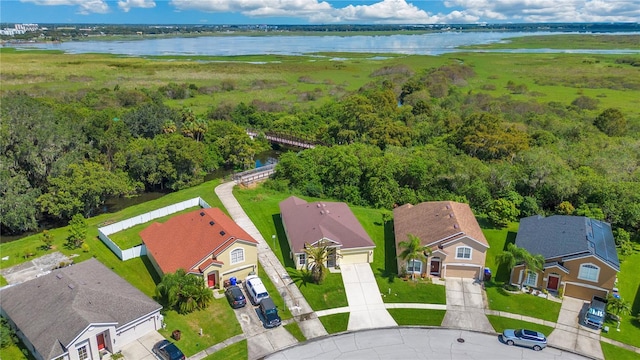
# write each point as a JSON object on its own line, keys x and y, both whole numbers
{"x": 531, "y": 279}
{"x": 237, "y": 256}
{"x": 82, "y": 353}
{"x": 302, "y": 259}
{"x": 463, "y": 252}
{"x": 414, "y": 266}
{"x": 589, "y": 272}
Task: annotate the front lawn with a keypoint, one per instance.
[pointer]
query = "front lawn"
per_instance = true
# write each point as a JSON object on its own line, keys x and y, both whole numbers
{"x": 218, "y": 323}
{"x": 411, "y": 291}
{"x": 500, "y": 323}
{"x": 234, "y": 351}
{"x": 523, "y": 304}
{"x": 417, "y": 317}
{"x": 612, "y": 352}
{"x": 335, "y": 323}
{"x": 294, "y": 329}
{"x": 629, "y": 288}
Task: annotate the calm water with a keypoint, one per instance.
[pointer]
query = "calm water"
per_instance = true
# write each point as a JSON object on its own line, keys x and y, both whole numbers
{"x": 424, "y": 44}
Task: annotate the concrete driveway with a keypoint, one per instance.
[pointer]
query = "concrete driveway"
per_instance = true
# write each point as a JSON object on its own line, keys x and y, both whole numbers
{"x": 571, "y": 335}
{"x": 414, "y": 343}
{"x": 141, "y": 349}
{"x": 465, "y": 307}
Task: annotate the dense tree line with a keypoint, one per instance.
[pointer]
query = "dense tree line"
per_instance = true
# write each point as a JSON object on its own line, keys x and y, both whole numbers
{"x": 407, "y": 136}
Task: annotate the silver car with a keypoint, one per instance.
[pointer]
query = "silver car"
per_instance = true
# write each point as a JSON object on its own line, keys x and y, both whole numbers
{"x": 529, "y": 338}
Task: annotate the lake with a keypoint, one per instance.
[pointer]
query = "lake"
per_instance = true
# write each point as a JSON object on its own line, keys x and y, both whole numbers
{"x": 421, "y": 44}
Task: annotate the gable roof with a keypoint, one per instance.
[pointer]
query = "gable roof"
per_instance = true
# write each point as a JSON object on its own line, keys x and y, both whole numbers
{"x": 310, "y": 222}
{"x": 563, "y": 236}
{"x": 187, "y": 239}
{"x": 52, "y": 310}
{"x": 436, "y": 221}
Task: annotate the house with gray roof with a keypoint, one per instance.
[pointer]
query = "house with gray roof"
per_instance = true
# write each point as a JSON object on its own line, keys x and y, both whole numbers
{"x": 78, "y": 312}
{"x": 580, "y": 255}
{"x": 332, "y": 223}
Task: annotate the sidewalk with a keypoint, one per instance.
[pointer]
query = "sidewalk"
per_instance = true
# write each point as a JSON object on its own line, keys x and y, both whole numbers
{"x": 308, "y": 321}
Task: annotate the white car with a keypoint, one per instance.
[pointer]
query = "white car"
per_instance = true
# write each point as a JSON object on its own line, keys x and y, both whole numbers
{"x": 255, "y": 289}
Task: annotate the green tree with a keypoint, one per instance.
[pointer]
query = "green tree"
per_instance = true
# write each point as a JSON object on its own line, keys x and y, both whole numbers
{"x": 184, "y": 292}
{"x": 77, "y": 231}
{"x": 565, "y": 208}
{"x": 317, "y": 258}
{"x": 502, "y": 212}
{"x": 7, "y": 335}
{"x": 611, "y": 122}
{"x": 17, "y": 196}
{"x": 618, "y": 306}
{"x": 47, "y": 239}
{"x": 413, "y": 250}
{"x": 515, "y": 255}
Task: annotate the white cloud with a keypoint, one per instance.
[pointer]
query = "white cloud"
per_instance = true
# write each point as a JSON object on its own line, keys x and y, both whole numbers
{"x": 84, "y": 6}
{"x": 126, "y": 5}
{"x": 550, "y": 10}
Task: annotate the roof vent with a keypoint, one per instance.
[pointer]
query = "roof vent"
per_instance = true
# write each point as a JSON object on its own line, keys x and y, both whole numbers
{"x": 318, "y": 205}
{"x": 211, "y": 223}
{"x": 450, "y": 215}
{"x": 222, "y": 233}
{"x": 201, "y": 213}
{"x": 447, "y": 207}
{"x": 455, "y": 226}
{"x": 327, "y": 211}
{"x": 59, "y": 276}
{"x": 321, "y": 212}
{"x": 71, "y": 286}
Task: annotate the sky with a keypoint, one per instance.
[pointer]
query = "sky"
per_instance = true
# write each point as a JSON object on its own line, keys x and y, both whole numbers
{"x": 295, "y": 12}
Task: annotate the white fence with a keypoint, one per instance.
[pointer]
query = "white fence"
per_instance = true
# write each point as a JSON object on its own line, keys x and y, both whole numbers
{"x": 137, "y": 251}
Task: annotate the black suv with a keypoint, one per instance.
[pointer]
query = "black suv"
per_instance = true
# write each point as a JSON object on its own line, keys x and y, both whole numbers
{"x": 235, "y": 297}
{"x": 269, "y": 312}
{"x": 166, "y": 350}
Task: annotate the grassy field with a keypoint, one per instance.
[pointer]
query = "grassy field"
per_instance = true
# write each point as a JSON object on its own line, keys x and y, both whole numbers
{"x": 235, "y": 351}
{"x": 612, "y": 352}
{"x": 417, "y": 317}
{"x": 501, "y": 323}
{"x": 566, "y": 41}
{"x": 335, "y": 323}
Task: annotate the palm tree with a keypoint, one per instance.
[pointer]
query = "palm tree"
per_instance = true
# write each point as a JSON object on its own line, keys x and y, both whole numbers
{"x": 516, "y": 255}
{"x": 413, "y": 250}
{"x": 618, "y": 306}
{"x": 184, "y": 292}
{"x": 317, "y": 257}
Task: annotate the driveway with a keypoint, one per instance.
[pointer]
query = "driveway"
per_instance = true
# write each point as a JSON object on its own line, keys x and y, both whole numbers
{"x": 366, "y": 308}
{"x": 414, "y": 343}
{"x": 570, "y": 334}
{"x": 141, "y": 349}
{"x": 465, "y": 307}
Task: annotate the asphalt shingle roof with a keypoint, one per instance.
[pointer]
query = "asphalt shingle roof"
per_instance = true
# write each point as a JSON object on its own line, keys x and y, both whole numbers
{"x": 310, "y": 222}
{"x": 54, "y": 309}
{"x": 562, "y": 235}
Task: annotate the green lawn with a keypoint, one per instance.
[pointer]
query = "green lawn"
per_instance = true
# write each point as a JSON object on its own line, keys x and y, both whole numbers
{"x": 629, "y": 288}
{"x": 417, "y": 316}
{"x": 612, "y": 352}
{"x": 3, "y": 281}
{"x": 411, "y": 291}
{"x": 237, "y": 351}
{"x": 501, "y": 323}
{"x": 283, "y": 311}
{"x": 335, "y": 323}
{"x": 498, "y": 240}
{"x": 523, "y": 304}
{"x": 218, "y": 323}
{"x": 13, "y": 352}
{"x": 130, "y": 237}
{"x": 294, "y": 330}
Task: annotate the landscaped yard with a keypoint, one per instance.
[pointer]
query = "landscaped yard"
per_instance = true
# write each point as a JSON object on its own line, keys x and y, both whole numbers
{"x": 501, "y": 323}
{"x": 218, "y": 323}
{"x": 408, "y": 317}
{"x": 335, "y": 323}
{"x": 629, "y": 288}
{"x": 523, "y": 304}
{"x": 612, "y": 352}
{"x": 234, "y": 351}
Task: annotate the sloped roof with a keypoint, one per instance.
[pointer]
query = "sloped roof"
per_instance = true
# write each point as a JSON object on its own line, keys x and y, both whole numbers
{"x": 186, "y": 240}
{"x": 436, "y": 221}
{"x": 52, "y": 310}
{"x": 309, "y": 222}
{"x": 562, "y": 236}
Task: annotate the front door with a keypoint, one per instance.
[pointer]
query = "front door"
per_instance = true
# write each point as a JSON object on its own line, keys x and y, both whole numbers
{"x": 211, "y": 280}
{"x": 552, "y": 284}
{"x": 100, "y": 339}
{"x": 435, "y": 266}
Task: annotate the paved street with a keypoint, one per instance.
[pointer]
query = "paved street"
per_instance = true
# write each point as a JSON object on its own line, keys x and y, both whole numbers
{"x": 414, "y": 343}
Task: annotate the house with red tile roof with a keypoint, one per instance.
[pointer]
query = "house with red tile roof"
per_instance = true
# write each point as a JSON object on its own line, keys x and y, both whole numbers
{"x": 332, "y": 222}
{"x": 203, "y": 242}
{"x": 451, "y": 231}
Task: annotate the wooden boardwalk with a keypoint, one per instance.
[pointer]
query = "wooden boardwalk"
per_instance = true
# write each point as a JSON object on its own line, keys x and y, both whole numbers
{"x": 258, "y": 174}
{"x": 284, "y": 139}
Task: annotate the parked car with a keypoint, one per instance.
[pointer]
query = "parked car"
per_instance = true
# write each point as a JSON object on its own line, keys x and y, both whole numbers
{"x": 235, "y": 296}
{"x": 269, "y": 312}
{"x": 529, "y": 338}
{"x": 596, "y": 312}
{"x": 255, "y": 289}
{"x": 166, "y": 350}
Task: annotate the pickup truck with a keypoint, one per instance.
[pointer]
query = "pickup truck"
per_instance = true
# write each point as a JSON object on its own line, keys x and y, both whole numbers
{"x": 596, "y": 313}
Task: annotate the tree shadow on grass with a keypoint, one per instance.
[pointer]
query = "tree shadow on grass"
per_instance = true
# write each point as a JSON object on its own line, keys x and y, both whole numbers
{"x": 300, "y": 277}
{"x": 502, "y": 272}
{"x": 151, "y": 269}
{"x": 283, "y": 244}
{"x": 390, "y": 270}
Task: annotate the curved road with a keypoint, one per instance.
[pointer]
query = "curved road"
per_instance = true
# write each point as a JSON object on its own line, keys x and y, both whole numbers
{"x": 414, "y": 343}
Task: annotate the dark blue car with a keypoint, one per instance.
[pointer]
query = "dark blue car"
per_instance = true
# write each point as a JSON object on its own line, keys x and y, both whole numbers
{"x": 166, "y": 350}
